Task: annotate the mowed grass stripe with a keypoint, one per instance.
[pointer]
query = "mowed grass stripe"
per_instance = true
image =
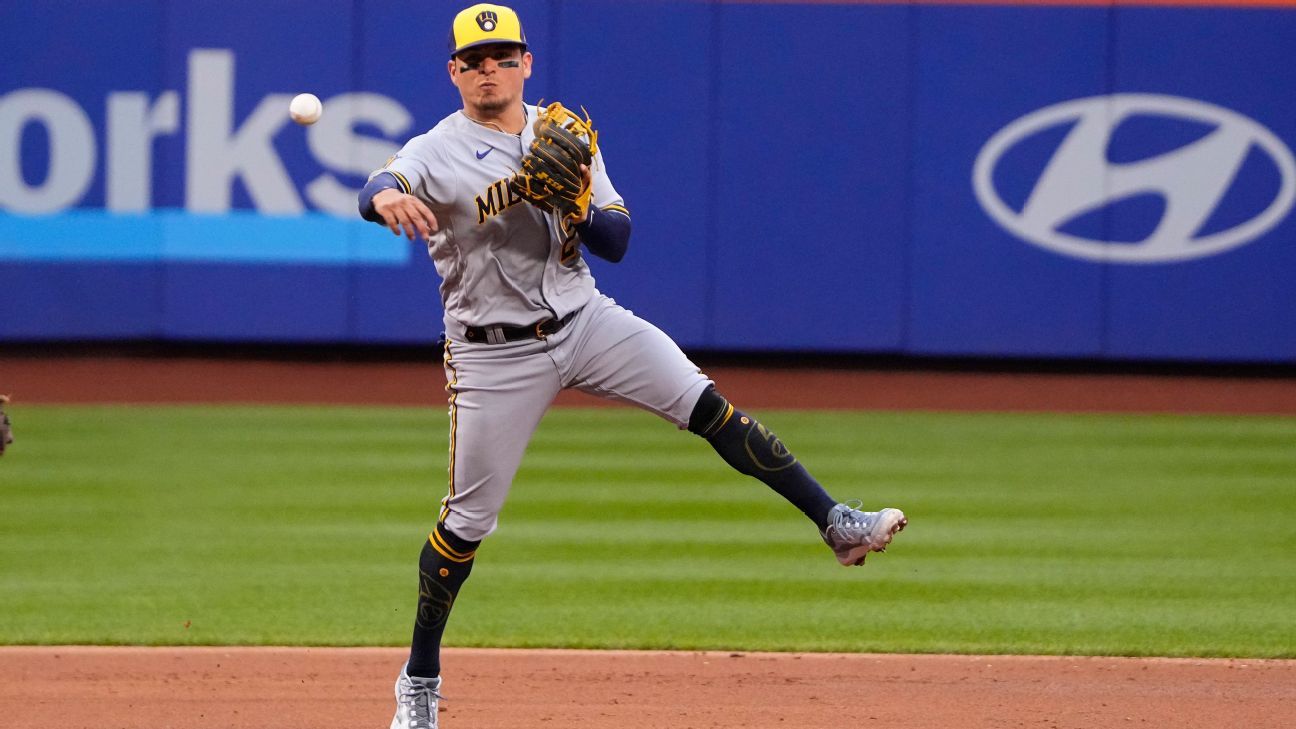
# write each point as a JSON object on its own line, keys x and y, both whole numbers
{"x": 1034, "y": 533}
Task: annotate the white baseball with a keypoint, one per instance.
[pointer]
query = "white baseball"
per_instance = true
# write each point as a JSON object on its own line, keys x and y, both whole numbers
{"x": 305, "y": 109}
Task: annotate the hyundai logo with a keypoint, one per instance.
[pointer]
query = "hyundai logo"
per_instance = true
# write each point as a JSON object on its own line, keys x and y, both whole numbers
{"x": 1191, "y": 180}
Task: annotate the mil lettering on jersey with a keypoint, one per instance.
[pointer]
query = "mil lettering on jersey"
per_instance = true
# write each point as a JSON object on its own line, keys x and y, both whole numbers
{"x": 497, "y": 198}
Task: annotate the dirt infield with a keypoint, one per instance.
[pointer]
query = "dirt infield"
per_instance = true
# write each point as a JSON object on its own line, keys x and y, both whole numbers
{"x": 197, "y": 380}
{"x": 269, "y": 688}
{"x": 306, "y": 688}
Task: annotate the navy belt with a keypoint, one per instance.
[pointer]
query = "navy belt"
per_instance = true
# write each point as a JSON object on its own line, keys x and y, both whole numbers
{"x": 496, "y": 334}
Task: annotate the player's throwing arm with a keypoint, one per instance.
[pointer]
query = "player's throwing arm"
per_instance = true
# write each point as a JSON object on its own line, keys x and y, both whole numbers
{"x": 404, "y": 213}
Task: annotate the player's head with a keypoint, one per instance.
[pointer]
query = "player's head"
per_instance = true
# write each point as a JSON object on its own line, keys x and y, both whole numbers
{"x": 482, "y": 24}
{"x": 489, "y": 60}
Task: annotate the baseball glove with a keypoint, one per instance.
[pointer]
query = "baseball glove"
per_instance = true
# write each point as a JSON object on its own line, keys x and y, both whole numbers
{"x": 6, "y": 429}
{"x": 551, "y": 177}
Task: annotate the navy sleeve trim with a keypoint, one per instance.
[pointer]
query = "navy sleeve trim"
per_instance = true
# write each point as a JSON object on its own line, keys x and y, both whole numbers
{"x": 383, "y": 180}
{"x": 606, "y": 232}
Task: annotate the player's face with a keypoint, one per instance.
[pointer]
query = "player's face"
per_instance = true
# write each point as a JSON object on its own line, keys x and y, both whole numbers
{"x": 490, "y": 77}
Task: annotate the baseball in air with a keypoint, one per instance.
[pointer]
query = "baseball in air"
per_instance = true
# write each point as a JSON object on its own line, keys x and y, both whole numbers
{"x": 305, "y": 109}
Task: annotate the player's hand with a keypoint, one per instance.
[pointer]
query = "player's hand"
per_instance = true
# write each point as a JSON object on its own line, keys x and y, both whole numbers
{"x": 587, "y": 179}
{"x": 405, "y": 213}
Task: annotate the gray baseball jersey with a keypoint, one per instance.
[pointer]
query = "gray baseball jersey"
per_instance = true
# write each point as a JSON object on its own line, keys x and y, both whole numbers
{"x": 501, "y": 261}
{"x": 504, "y": 263}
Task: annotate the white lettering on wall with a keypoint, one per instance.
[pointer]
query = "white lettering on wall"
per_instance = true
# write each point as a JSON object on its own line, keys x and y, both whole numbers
{"x": 333, "y": 142}
{"x": 132, "y": 127}
{"x": 217, "y": 153}
{"x": 72, "y": 151}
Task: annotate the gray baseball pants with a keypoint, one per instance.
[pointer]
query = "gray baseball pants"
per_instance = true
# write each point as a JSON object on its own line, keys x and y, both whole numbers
{"x": 500, "y": 392}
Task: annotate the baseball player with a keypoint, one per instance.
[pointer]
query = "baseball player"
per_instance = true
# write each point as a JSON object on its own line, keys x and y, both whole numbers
{"x": 524, "y": 320}
{"x": 6, "y": 429}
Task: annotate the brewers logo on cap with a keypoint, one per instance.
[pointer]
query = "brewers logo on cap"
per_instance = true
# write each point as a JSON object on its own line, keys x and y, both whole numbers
{"x": 485, "y": 23}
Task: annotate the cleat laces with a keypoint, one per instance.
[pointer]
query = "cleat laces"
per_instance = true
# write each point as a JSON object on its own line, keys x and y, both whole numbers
{"x": 851, "y": 518}
{"x": 847, "y": 518}
{"x": 419, "y": 698}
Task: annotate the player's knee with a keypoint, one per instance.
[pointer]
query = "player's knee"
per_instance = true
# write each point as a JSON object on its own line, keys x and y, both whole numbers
{"x": 709, "y": 413}
{"x": 470, "y": 526}
{"x": 740, "y": 439}
{"x": 446, "y": 538}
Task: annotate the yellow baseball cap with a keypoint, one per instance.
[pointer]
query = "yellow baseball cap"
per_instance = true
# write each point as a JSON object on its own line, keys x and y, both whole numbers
{"x": 485, "y": 23}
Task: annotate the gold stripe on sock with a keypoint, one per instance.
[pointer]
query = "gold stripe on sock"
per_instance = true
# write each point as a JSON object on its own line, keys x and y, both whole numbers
{"x": 440, "y": 545}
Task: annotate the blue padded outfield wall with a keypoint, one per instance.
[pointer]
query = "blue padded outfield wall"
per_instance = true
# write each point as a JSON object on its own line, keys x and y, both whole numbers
{"x": 1088, "y": 181}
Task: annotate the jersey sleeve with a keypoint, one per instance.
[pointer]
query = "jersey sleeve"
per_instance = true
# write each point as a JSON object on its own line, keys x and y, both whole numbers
{"x": 605, "y": 195}
{"x": 421, "y": 169}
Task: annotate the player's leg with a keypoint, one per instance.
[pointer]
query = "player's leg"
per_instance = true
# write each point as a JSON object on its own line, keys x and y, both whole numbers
{"x": 497, "y": 396}
{"x": 753, "y": 449}
{"x": 616, "y": 355}
{"x": 626, "y": 358}
{"x": 498, "y": 393}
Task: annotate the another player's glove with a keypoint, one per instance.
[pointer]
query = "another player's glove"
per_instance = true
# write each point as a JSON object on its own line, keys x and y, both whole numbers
{"x": 6, "y": 428}
{"x": 551, "y": 177}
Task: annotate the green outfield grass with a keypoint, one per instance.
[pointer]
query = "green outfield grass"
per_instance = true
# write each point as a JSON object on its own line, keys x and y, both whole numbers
{"x": 1084, "y": 534}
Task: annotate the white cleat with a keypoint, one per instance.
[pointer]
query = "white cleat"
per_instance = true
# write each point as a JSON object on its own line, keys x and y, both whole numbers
{"x": 416, "y": 702}
{"x": 852, "y": 534}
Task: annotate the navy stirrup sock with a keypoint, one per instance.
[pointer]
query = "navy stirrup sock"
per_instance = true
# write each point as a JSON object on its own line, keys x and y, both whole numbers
{"x": 444, "y": 564}
{"x": 752, "y": 449}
